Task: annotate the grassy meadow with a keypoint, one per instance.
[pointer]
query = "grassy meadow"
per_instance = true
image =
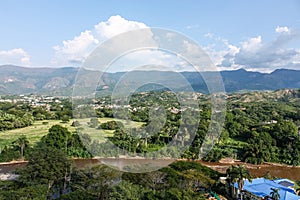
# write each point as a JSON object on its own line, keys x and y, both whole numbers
{"x": 40, "y": 128}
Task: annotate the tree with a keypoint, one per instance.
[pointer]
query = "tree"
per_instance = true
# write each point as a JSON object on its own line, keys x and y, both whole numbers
{"x": 46, "y": 165}
{"x": 61, "y": 138}
{"x": 65, "y": 119}
{"x": 126, "y": 190}
{"x": 238, "y": 174}
{"x": 96, "y": 180}
{"x": 111, "y": 125}
{"x": 9, "y": 153}
{"x": 93, "y": 122}
{"x": 57, "y": 137}
{"x": 275, "y": 193}
{"x": 21, "y": 143}
{"x": 24, "y": 193}
{"x": 259, "y": 148}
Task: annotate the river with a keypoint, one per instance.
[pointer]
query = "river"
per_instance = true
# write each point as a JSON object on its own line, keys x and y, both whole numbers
{"x": 280, "y": 171}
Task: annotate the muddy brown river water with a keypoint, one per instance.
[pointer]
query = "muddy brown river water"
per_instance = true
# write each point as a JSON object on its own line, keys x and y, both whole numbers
{"x": 274, "y": 170}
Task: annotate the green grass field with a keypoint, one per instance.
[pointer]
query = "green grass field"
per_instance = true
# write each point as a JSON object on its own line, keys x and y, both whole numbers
{"x": 36, "y": 131}
{"x": 33, "y": 132}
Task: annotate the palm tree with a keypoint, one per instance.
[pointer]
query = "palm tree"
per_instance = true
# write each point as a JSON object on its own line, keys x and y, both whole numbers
{"x": 231, "y": 178}
{"x": 21, "y": 143}
{"x": 145, "y": 137}
{"x": 238, "y": 174}
{"x": 275, "y": 194}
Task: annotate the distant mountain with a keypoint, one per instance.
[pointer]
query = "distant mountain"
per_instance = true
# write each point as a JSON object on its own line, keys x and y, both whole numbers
{"x": 20, "y": 80}
{"x": 245, "y": 80}
{"x": 60, "y": 81}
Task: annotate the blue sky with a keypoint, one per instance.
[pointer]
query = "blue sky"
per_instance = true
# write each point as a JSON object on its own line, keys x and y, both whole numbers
{"x": 257, "y": 35}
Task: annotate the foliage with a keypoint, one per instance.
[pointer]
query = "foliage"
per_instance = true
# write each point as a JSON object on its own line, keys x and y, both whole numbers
{"x": 21, "y": 143}
{"x": 60, "y": 138}
{"x": 259, "y": 127}
{"x": 9, "y": 153}
{"x": 237, "y": 174}
{"x": 111, "y": 125}
{"x": 275, "y": 193}
{"x": 17, "y": 150}
{"x": 49, "y": 166}
{"x": 96, "y": 181}
{"x": 48, "y": 175}
{"x": 11, "y": 121}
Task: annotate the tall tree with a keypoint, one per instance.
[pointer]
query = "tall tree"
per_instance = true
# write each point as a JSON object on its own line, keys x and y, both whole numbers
{"x": 22, "y": 142}
{"x": 57, "y": 137}
{"x": 238, "y": 174}
{"x": 46, "y": 165}
{"x": 96, "y": 180}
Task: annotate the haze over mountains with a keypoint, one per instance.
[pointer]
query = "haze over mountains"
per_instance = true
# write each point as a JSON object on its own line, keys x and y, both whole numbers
{"x": 59, "y": 81}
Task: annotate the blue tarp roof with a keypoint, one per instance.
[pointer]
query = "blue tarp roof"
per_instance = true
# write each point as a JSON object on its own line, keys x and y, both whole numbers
{"x": 261, "y": 187}
{"x": 285, "y": 182}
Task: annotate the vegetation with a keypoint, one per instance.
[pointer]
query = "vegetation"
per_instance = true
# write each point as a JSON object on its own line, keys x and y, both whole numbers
{"x": 259, "y": 127}
{"x": 275, "y": 194}
{"x": 50, "y": 175}
{"x": 256, "y": 130}
{"x": 47, "y": 166}
{"x": 237, "y": 174}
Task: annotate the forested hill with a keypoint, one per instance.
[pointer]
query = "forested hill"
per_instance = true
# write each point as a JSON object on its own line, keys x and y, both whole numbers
{"x": 59, "y": 81}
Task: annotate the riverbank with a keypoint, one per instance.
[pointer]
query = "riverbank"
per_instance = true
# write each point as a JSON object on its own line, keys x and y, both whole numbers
{"x": 14, "y": 162}
{"x": 275, "y": 170}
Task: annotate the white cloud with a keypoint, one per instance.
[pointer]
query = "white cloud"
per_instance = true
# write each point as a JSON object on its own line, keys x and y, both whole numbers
{"x": 252, "y": 54}
{"x": 219, "y": 49}
{"x": 74, "y": 51}
{"x": 252, "y": 45}
{"x": 192, "y": 26}
{"x": 116, "y": 25}
{"x": 15, "y": 56}
{"x": 256, "y": 55}
{"x": 196, "y": 56}
{"x": 282, "y": 29}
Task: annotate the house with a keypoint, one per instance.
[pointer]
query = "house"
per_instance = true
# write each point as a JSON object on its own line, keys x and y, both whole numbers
{"x": 260, "y": 188}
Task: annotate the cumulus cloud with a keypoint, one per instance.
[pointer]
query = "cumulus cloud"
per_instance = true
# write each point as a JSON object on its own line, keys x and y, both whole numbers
{"x": 116, "y": 25}
{"x": 196, "y": 56}
{"x": 15, "y": 56}
{"x": 75, "y": 50}
{"x": 256, "y": 55}
{"x": 220, "y": 49}
{"x": 282, "y": 29}
{"x": 252, "y": 54}
{"x": 252, "y": 45}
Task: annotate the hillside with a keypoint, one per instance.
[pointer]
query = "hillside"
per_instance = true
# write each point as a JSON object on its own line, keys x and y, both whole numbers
{"x": 59, "y": 81}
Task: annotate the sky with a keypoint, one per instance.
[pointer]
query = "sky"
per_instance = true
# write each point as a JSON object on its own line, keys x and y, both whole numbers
{"x": 258, "y": 35}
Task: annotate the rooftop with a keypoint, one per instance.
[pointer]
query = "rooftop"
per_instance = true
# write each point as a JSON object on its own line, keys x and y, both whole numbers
{"x": 261, "y": 187}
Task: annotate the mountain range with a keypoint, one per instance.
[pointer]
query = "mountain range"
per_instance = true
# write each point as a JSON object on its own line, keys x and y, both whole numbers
{"x": 60, "y": 81}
